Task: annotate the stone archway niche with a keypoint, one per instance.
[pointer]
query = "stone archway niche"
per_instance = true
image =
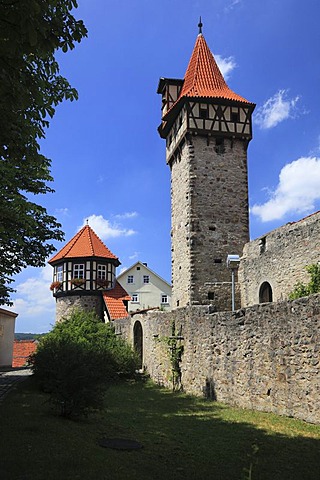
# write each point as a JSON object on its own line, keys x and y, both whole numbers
{"x": 138, "y": 341}
{"x": 265, "y": 293}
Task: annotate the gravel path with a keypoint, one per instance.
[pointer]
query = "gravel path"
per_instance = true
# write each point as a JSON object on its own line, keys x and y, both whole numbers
{"x": 9, "y": 378}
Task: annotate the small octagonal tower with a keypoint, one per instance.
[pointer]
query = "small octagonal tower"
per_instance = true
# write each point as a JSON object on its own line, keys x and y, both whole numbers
{"x": 84, "y": 276}
{"x": 207, "y": 128}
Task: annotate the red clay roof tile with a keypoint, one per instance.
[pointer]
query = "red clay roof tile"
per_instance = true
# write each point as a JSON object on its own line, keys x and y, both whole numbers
{"x": 85, "y": 243}
{"x": 203, "y": 77}
{"x": 21, "y": 351}
{"x": 113, "y": 300}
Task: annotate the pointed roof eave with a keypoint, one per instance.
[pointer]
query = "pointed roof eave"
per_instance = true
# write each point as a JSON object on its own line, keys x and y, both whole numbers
{"x": 203, "y": 79}
{"x": 85, "y": 243}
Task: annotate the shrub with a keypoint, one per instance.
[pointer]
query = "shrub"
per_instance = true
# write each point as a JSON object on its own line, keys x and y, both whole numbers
{"x": 302, "y": 290}
{"x": 77, "y": 360}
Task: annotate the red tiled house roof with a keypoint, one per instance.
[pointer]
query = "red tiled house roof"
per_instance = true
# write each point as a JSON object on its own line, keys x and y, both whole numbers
{"x": 21, "y": 351}
{"x": 85, "y": 243}
{"x": 114, "y": 299}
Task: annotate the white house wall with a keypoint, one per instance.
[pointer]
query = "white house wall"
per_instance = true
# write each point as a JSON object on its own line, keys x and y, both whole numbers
{"x": 149, "y": 294}
{"x": 7, "y": 324}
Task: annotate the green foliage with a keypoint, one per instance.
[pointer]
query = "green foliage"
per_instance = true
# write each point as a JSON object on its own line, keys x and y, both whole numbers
{"x": 175, "y": 350}
{"x": 77, "y": 360}
{"x": 31, "y": 31}
{"x": 302, "y": 290}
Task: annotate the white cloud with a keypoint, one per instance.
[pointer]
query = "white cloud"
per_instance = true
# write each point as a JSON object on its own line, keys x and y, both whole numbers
{"x": 126, "y": 215}
{"x": 276, "y": 109}
{"x": 297, "y": 190}
{"x": 104, "y": 229}
{"x": 226, "y": 65}
{"x": 33, "y": 301}
{"x": 134, "y": 256}
{"x": 62, "y": 211}
{"x": 232, "y": 5}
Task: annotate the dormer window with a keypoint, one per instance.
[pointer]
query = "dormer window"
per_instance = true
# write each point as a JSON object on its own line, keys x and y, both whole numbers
{"x": 78, "y": 270}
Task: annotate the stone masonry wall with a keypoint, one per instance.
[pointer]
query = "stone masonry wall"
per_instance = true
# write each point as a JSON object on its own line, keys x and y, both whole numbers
{"x": 180, "y": 225}
{"x": 280, "y": 258}
{"x": 265, "y": 357}
{"x": 65, "y": 305}
{"x": 209, "y": 218}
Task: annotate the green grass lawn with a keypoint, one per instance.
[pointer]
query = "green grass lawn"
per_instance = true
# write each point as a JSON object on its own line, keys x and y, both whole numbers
{"x": 183, "y": 438}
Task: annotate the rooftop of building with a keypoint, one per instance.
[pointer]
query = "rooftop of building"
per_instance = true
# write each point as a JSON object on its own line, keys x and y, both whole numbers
{"x": 85, "y": 243}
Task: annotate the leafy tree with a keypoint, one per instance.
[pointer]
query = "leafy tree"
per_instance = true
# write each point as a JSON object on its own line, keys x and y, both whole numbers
{"x": 302, "y": 290}
{"x": 31, "y": 32}
{"x": 77, "y": 360}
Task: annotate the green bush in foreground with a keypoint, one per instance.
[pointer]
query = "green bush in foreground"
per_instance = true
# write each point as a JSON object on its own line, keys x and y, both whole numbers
{"x": 302, "y": 290}
{"x": 78, "y": 360}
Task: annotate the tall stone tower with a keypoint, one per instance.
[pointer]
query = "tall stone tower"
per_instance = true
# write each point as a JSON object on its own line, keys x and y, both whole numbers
{"x": 207, "y": 128}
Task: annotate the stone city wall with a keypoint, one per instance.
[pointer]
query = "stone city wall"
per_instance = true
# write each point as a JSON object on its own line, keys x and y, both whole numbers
{"x": 265, "y": 357}
{"x": 280, "y": 258}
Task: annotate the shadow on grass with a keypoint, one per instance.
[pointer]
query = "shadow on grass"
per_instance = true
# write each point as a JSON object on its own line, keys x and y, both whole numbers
{"x": 183, "y": 438}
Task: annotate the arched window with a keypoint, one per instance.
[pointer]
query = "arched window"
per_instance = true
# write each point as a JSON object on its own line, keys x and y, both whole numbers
{"x": 265, "y": 293}
{"x": 138, "y": 341}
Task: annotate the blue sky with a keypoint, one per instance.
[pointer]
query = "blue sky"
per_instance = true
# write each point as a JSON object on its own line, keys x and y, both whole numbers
{"x": 108, "y": 161}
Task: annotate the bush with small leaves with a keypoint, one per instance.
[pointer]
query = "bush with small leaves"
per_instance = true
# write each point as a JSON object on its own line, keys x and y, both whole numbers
{"x": 302, "y": 290}
{"x": 78, "y": 360}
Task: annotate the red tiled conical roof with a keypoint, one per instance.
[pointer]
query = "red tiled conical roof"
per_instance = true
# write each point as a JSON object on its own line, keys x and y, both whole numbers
{"x": 203, "y": 77}
{"x": 85, "y": 243}
{"x": 114, "y": 301}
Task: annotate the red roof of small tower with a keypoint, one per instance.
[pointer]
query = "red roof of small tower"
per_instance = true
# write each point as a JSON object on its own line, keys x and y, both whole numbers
{"x": 85, "y": 243}
{"x": 114, "y": 301}
{"x": 203, "y": 77}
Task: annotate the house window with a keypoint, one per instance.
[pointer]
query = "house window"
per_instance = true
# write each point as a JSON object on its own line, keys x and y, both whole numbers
{"x": 78, "y": 270}
{"x": 164, "y": 298}
{"x": 130, "y": 279}
{"x": 204, "y": 113}
{"x": 135, "y": 298}
{"x": 262, "y": 244}
{"x": 146, "y": 279}
{"x": 210, "y": 295}
{"x": 102, "y": 272}
{"x": 59, "y": 272}
{"x": 235, "y": 117}
{"x": 220, "y": 148}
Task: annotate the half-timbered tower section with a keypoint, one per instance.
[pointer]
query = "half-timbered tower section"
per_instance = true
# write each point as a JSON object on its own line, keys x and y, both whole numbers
{"x": 84, "y": 276}
{"x": 207, "y": 128}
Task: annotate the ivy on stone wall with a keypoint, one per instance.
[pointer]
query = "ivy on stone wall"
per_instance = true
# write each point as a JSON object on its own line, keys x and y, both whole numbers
{"x": 175, "y": 350}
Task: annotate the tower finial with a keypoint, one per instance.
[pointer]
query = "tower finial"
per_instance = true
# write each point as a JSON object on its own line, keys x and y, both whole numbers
{"x": 87, "y": 221}
{"x": 200, "y": 25}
